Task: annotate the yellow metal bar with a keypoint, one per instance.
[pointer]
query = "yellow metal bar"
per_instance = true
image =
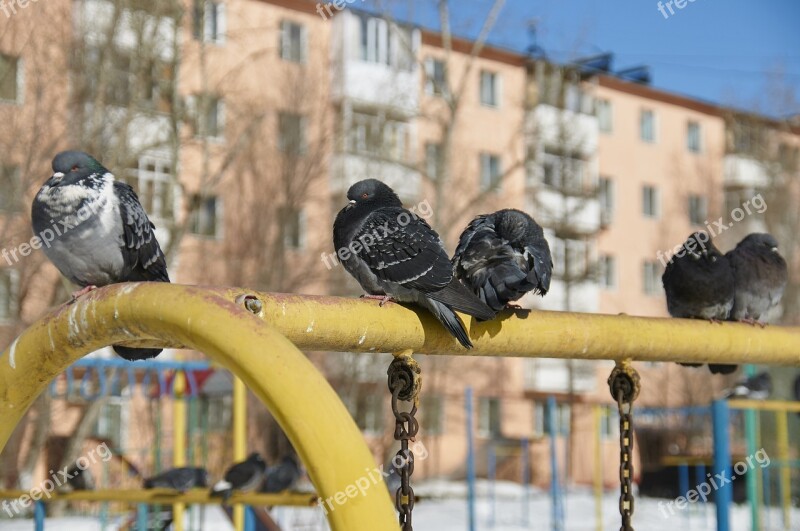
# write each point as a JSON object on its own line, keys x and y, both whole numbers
{"x": 782, "y": 434}
{"x": 301, "y": 400}
{"x": 166, "y": 497}
{"x": 598, "y": 467}
{"x": 178, "y": 439}
{"x": 239, "y": 440}
{"x": 765, "y": 405}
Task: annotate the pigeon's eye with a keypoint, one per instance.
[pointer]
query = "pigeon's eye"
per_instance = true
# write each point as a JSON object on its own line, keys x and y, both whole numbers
{"x": 74, "y": 168}
{"x": 364, "y": 195}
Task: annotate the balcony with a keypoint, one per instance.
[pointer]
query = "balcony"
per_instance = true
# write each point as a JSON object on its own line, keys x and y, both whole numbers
{"x": 552, "y": 207}
{"x": 565, "y": 129}
{"x": 350, "y": 168}
{"x": 742, "y": 171}
{"x": 547, "y": 375}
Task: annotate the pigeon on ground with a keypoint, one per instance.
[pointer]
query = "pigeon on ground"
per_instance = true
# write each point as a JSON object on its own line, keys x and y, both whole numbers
{"x": 757, "y": 387}
{"x": 698, "y": 282}
{"x": 760, "y": 276}
{"x": 95, "y": 231}
{"x": 396, "y": 254}
{"x": 180, "y": 479}
{"x": 503, "y": 256}
{"x": 243, "y": 476}
{"x": 281, "y": 476}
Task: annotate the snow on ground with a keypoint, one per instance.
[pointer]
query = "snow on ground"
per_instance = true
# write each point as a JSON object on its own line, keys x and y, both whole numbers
{"x": 443, "y": 508}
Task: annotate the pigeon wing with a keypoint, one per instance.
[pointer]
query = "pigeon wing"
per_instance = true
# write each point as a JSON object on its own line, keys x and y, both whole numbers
{"x": 140, "y": 247}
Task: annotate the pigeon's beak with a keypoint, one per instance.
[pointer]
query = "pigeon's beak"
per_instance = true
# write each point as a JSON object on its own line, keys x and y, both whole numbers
{"x": 774, "y": 249}
{"x": 57, "y": 176}
{"x": 350, "y": 205}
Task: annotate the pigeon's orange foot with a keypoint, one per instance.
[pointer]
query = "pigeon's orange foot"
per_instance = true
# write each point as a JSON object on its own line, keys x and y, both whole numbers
{"x": 383, "y": 298}
{"x": 753, "y": 322}
{"x": 715, "y": 321}
{"x": 513, "y": 306}
{"x": 81, "y": 292}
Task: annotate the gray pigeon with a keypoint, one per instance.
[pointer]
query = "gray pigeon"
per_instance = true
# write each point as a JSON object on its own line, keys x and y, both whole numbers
{"x": 180, "y": 479}
{"x": 244, "y": 476}
{"x": 395, "y": 254}
{"x": 503, "y": 256}
{"x": 281, "y": 476}
{"x": 95, "y": 231}
{"x": 757, "y": 387}
{"x": 698, "y": 283}
{"x": 760, "y": 275}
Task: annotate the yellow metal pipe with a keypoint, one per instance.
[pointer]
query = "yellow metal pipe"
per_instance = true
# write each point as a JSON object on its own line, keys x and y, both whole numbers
{"x": 239, "y": 440}
{"x": 299, "y": 397}
{"x": 598, "y": 467}
{"x": 782, "y": 434}
{"x": 765, "y": 405}
{"x": 166, "y": 497}
{"x": 178, "y": 439}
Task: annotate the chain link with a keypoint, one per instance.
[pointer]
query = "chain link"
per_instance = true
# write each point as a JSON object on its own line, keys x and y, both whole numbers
{"x": 404, "y": 384}
{"x": 624, "y": 386}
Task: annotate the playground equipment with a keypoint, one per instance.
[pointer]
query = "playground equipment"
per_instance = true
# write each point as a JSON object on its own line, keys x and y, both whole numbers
{"x": 257, "y": 336}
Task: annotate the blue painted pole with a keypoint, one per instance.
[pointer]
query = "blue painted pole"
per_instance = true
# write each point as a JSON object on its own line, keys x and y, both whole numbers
{"x": 700, "y": 477}
{"x": 141, "y": 517}
{"x": 526, "y": 482}
{"x": 557, "y": 512}
{"x": 38, "y": 515}
{"x": 249, "y": 519}
{"x": 722, "y": 462}
{"x": 492, "y": 465}
{"x": 470, "y": 461}
{"x": 683, "y": 483}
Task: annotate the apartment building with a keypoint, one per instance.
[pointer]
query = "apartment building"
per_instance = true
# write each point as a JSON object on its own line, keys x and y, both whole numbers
{"x": 254, "y": 118}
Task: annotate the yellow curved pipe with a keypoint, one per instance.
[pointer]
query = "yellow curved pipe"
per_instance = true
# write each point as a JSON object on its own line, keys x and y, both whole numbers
{"x": 302, "y": 401}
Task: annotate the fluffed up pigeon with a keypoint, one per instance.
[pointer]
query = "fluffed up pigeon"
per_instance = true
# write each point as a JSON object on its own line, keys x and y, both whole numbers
{"x": 503, "y": 256}
{"x": 698, "y": 282}
{"x": 95, "y": 231}
{"x": 395, "y": 254}
{"x": 757, "y": 387}
{"x": 760, "y": 276}
{"x": 282, "y": 476}
{"x": 244, "y": 476}
{"x": 180, "y": 479}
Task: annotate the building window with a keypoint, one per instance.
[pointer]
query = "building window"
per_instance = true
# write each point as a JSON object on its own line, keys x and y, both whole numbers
{"x": 650, "y": 201}
{"x": 652, "y": 278}
{"x": 608, "y": 272}
{"x": 11, "y": 79}
{"x": 432, "y": 408}
{"x": 561, "y": 416}
{"x": 693, "y": 142}
{"x": 9, "y": 293}
{"x": 570, "y": 257}
{"x": 435, "y": 82}
{"x": 788, "y": 157}
{"x": 490, "y": 89}
{"x": 208, "y": 113}
{"x": 112, "y": 422}
{"x": 370, "y": 413}
{"x": 293, "y": 42}
{"x": 491, "y": 173}
{"x": 605, "y": 192}
{"x": 209, "y": 23}
{"x": 433, "y": 160}
{"x": 489, "y": 417}
{"x": 698, "y": 209}
{"x": 219, "y": 413}
{"x": 151, "y": 179}
{"x": 294, "y": 228}
{"x": 385, "y": 43}
{"x": 563, "y": 172}
{"x": 609, "y": 427}
{"x": 539, "y": 414}
{"x": 291, "y": 133}
{"x": 647, "y": 126}
{"x": 605, "y": 120}
{"x": 206, "y": 216}
{"x": 10, "y": 185}
{"x": 377, "y": 136}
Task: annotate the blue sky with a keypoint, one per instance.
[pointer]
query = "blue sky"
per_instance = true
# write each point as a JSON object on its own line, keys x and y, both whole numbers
{"x": 734, "y": 52}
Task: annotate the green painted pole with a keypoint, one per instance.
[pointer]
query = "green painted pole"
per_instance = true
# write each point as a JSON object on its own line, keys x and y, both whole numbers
{"x": 750, "y": 422}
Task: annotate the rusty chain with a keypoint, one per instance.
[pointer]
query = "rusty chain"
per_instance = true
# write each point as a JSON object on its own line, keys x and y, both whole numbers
{"x": 624, "y": 386}
{"x": 404, "y": 384}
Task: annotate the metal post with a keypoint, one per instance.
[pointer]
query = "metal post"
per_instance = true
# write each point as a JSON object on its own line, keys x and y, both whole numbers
{"x": 752, "y": 480}
{"x": 722, "y": 462}
{"x": 526, "y": 481}
{"x": 492, "y": 472}
{"x": 557, "y": 512}
{"x": 598, "y": 466}
{"x": 178, "y": 439}
{"x": 38, "y": 515}
{"x": 785, "y": 477}
{"x": 683, "y": 484}
{"x": 470, "y": 460}
{"x": 239, "y": 439}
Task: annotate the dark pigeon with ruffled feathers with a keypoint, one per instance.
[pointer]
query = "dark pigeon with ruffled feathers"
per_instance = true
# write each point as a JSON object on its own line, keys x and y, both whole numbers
{"x": 698, "y": 283}
{"x": 180, "y": 479}
{"x": 281, "y": 476}
{"x": 503, "y": 256}
{"x": 760, "y": 275}
{"x": 95, "y": 230}
{"x": 244, "y": 476}
{"x": 394, "y": 253}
